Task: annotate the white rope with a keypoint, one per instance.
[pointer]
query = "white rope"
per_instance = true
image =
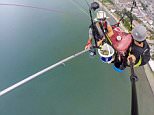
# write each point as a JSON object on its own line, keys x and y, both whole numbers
{"x": 40, "y": 72}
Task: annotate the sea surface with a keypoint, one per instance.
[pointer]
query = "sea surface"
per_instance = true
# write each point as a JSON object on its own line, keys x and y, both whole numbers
{"x": 35, "y": 34}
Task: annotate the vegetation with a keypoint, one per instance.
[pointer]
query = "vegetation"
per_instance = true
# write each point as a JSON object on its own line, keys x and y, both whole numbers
{"x": 152, "y": 57}
{"x": 126, "y": 21}
{"x": 107, "y": 1}
{"x": 151, "y": 37}
{"x": 152, "y": 32}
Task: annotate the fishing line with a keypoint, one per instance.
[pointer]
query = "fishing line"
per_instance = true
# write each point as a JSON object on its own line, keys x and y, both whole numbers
{"x": 34, "y": 7}
{"x": 90, "y": 7}
{"x": 87, "y": 3}
{"x": 80, "y": 4}
{"x": 79, "y": 7}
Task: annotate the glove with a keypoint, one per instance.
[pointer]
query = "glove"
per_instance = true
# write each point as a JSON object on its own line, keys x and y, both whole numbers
{"x": 89, "y": 44}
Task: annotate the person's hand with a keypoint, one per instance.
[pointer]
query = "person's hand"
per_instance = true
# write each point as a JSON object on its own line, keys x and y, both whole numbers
{"x": 131, "y": 57}
{"x": 89, "y": 44}
{"x": 100, "y": 41}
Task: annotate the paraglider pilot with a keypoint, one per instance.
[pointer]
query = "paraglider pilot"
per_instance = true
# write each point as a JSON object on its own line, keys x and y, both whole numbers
{"x": 102, "y": 26}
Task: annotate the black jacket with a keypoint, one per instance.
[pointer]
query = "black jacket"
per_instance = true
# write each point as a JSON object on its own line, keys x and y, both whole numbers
{"x": 143, "y": 52}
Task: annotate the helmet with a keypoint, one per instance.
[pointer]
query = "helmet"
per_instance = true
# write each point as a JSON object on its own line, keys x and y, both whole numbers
{"x": 139, "y": 33}
{"x": 101, "y": 15}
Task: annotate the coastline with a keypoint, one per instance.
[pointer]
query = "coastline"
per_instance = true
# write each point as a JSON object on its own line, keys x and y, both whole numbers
{"x": 147, "y": 68}
{"x": 150, "y": 76}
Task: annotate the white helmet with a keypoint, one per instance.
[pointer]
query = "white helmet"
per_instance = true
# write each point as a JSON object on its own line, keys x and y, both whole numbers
{"x": 101, "y": 15}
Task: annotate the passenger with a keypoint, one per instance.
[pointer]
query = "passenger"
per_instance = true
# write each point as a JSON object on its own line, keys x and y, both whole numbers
{"x": 139, "y": 50}
{"x": 101, "y": 26}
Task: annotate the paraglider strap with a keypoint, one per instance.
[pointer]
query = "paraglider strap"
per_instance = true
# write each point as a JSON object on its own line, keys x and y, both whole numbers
{"x": 105, "y": 30}
{"x": 103, "y": 27}
{"x": 95, "y": 30}
{"x": 115, "y": 25}
{"x": 92, "y": 26}
{"x": 130, "y": 17}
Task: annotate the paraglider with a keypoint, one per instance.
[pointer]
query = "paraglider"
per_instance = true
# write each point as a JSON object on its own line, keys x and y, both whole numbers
{"x": 116, "y": 42}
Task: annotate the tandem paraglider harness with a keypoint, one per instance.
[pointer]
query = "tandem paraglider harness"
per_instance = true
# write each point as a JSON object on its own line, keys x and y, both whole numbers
{"x": 103, "y": 28}
{"x": 120, "y": 43}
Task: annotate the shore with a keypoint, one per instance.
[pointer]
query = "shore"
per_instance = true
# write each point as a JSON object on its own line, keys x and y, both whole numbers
{"x": 148, "y": 70}
{"x": 150, "y": 76}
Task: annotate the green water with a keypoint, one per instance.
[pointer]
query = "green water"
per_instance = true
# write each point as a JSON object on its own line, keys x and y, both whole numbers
{"x": 33, "y": 39}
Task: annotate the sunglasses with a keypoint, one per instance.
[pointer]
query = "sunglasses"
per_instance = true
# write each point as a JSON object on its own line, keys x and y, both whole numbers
{"x": 139, "y": 41}
{"x": 102, "y": 19}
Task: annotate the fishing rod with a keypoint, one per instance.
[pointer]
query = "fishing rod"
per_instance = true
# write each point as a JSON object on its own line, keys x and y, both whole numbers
{"x": 40, "y": 72}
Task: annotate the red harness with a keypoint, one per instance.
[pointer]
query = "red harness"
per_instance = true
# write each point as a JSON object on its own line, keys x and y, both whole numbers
{"x": 120, "y": 40}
